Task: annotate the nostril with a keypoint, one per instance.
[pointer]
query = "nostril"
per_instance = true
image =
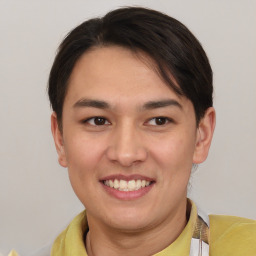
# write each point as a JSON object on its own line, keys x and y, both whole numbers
{"x": 126, "y": 156}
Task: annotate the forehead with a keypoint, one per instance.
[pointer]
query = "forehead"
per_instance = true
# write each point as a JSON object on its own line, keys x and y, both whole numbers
{"x": 117, "y": 74}
{"x": 113, "y": 64}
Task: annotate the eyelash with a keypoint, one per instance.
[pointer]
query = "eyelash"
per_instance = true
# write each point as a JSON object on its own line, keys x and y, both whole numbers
{"x": 103, "y": 121}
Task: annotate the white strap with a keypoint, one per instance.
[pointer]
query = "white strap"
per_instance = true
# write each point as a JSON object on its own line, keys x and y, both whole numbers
{"x": 195, "y": 249}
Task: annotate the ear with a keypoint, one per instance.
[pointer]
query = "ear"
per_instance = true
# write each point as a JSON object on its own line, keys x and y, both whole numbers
{"x": 204, "y": 136}
{"x": 58, "y": 139}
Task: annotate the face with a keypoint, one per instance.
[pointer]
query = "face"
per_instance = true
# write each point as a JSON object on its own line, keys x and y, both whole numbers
{"x": 128, "y": 140}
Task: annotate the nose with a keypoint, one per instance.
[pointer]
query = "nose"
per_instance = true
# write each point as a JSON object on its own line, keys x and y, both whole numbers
{"x": 126, "y": 146}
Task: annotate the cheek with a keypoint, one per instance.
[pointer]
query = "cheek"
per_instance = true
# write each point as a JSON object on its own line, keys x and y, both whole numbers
{"x": 82, "y": 149}
{"x": 174, "y": 152}
{"x": 83, "y": 156}
{"x": 170, "y": 149}
{"x": 83, "y": 159}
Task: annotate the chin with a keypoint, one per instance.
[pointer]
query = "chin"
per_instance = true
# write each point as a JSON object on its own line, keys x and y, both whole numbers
{"x": 130, "y": 225}
{"x": 129, "y": 220}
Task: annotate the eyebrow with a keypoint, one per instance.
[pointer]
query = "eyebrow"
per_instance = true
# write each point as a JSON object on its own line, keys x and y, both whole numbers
{"x": 161, "y": 104}
{"x": 91, "y": 103}
{"x": 147, "y": 106}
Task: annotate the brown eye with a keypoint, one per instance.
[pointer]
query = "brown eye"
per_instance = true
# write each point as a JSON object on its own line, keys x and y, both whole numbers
{"x": 160, "y": 120}
{"x": 97, "y": 121}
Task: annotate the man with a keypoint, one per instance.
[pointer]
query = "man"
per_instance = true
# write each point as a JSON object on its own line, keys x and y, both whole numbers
{"x": 132, "y": 113}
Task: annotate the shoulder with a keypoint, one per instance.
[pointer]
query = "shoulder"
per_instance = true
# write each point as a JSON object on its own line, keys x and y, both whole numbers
{"x": 231, "y": 235}
{"x": 71, "y": 239}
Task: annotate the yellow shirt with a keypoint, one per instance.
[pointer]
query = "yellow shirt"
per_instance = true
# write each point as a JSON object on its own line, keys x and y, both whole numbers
{"x": 13, "y": 253}
{"x": 229, "y": 236}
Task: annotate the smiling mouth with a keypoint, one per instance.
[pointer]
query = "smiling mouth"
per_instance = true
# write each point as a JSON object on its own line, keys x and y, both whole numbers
{"x": 130, "y": 185}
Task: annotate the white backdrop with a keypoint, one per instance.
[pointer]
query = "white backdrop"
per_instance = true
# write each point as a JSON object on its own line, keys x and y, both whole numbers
{"x": 36, "y": 199}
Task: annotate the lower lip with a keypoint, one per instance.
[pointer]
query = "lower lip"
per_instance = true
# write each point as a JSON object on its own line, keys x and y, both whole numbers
{"x": 127, "y": 195}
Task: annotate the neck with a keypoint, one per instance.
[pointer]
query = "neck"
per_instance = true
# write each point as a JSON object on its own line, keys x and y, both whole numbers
{"x": 103, "y": 240}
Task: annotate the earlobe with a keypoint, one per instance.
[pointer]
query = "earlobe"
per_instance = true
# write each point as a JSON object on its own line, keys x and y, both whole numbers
{"x": 58, "y": 140}
{"x": 204, "y": 136}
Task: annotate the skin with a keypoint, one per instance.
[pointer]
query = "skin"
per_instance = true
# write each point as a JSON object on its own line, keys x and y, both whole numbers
{"x": 130, "y": 141}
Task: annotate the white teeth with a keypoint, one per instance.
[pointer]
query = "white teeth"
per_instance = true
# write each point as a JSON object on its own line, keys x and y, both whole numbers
{"x": 138, "y": 184}
{"x": 116, "y": 184}
{"x": 131, "y": 185}
{"x": 123, "y": 185}
{"x": 111, "y": 183}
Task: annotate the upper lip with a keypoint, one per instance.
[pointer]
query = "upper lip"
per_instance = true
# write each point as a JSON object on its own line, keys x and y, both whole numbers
{"x": 127, "y": 177}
